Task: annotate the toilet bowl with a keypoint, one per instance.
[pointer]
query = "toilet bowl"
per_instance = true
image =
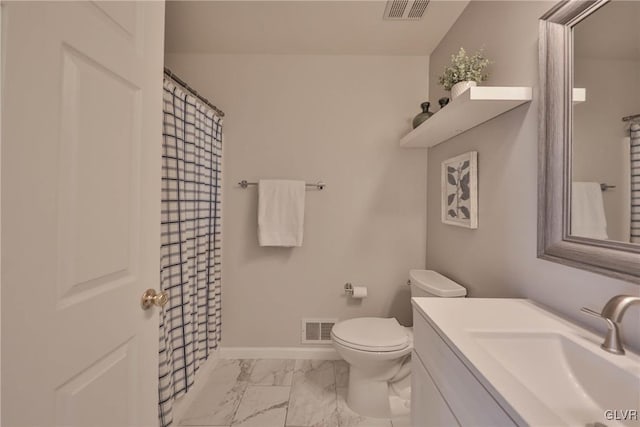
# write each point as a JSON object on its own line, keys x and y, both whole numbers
{"x": 378, "y": 351}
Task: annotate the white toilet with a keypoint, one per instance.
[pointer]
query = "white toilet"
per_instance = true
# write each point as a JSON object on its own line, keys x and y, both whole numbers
{"x": 378, "y": 351}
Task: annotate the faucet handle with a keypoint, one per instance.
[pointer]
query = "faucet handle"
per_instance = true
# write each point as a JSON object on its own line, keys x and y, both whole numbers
{"x": 591, "y": 312}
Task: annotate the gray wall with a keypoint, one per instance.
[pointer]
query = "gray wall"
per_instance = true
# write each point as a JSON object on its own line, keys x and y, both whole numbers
{"x": 336, "y": 118}
{"x": 499, "y": 258}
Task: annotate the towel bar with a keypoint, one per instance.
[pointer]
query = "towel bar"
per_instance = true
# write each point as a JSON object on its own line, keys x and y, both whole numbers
{"x": 318, "y": 185}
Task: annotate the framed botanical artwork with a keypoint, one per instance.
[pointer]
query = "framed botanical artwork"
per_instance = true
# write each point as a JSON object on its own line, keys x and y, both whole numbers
{"x": 460, "y": 190}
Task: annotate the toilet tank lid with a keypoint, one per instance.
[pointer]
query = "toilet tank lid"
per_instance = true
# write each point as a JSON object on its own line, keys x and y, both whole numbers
{"x": 436, "y": 284}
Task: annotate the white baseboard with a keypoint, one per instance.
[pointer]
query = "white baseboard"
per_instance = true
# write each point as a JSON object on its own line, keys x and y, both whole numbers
{"x": 181, "y": 404}
{"x": 321, "y": 353}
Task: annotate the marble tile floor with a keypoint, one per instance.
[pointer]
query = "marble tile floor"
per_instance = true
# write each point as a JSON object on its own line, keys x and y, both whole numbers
{"x": 278, "y": 393}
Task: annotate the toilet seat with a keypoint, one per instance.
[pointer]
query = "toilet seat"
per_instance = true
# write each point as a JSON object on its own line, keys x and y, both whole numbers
{"x": 376, "y": 334}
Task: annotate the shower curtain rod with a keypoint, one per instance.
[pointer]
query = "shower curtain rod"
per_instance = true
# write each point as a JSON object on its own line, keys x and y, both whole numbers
{"x": 184, "y": 84}
{"x": 629, "y": 118}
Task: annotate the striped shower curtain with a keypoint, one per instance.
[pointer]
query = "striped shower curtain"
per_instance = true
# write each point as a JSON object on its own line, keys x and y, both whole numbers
{"x": 635, "y": 183}
{"x": 191, "y": 242}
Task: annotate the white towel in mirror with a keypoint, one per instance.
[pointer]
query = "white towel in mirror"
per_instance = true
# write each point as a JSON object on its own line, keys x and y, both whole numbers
{"x": 587, "y": 211}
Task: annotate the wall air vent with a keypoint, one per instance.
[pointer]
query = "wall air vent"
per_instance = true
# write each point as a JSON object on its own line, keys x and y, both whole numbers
{"x": 317, "y": 331}
{"x": 405, "y": 10}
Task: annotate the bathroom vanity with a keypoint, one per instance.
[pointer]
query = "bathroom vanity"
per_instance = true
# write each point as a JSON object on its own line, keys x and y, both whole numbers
{"x": 506, "y": 362}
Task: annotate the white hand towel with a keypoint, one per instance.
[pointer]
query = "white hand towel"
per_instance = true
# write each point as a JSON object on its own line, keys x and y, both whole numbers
{"x": 587, "y": 211}
{"x": 280, "y": 212}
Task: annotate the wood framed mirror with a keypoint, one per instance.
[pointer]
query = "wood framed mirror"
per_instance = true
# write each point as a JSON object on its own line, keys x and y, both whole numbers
{"x": 565, "y": 185}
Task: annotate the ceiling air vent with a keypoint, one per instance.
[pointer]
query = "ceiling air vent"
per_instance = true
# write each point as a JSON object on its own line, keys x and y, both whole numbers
{"x": 405, "y": 10}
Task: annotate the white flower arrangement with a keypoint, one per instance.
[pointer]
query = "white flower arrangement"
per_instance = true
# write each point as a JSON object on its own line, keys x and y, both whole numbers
{"x": 464, "y": 68}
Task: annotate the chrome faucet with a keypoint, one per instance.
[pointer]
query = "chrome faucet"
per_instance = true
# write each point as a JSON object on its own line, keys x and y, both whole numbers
{"x": 612, "y": 313}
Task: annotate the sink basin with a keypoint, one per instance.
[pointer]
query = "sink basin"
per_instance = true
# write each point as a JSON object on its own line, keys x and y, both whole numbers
{"x": 578, "y": 382}
{"x": 540, "y": 368}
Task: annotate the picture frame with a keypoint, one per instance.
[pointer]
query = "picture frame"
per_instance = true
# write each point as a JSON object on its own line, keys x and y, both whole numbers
{"x": 460, "y": 190}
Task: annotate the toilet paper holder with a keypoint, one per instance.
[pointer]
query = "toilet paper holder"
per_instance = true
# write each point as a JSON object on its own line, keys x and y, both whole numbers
{"x": 348, "y": 289}
{"x": 356, "y": 292}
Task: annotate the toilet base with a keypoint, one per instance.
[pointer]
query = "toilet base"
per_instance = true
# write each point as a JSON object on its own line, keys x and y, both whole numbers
{"x": 399, "y": 406}
{"x": 377, "y": 399}
{"x": 368, "y": 397}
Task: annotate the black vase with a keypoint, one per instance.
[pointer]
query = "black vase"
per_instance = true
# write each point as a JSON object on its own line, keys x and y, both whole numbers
{"x": 417, "y": 120}
{"x": 443, "y": 102}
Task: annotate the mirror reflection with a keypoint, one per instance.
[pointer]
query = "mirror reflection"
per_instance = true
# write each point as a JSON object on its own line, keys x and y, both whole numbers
{"x": 605, "y": 194}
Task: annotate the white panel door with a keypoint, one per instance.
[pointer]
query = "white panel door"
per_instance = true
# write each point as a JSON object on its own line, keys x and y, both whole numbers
{"x": 81, "y": 163}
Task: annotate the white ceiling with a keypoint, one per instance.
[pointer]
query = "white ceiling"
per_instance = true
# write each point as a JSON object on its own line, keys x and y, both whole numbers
{"x": 304, "y": 27}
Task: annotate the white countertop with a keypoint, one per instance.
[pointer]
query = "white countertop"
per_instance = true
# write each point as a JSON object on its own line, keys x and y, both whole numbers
{"x": 515, "y": 379}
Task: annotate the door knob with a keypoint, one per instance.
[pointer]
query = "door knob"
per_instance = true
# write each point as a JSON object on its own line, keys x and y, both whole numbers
{"x": 150, "y": 297}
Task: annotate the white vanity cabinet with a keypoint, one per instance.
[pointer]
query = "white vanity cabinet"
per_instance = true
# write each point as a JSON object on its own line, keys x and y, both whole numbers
{"x": 428, "y": 407}
{"x": 509, "y": 362}
{"x": 444, "y": 391}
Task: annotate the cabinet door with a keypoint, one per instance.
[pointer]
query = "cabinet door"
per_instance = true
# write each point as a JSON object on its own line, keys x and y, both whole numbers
{"x": 428, "y": 408}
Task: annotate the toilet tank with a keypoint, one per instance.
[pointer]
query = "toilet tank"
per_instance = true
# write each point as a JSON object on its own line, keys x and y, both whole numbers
{"x": 429, "y": 283}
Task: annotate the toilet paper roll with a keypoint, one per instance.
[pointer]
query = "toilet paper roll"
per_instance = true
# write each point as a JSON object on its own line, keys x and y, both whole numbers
{"x": 359, "y": 292}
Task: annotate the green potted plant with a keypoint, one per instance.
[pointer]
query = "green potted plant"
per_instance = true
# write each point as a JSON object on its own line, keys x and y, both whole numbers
{"x": 464, "y": 72}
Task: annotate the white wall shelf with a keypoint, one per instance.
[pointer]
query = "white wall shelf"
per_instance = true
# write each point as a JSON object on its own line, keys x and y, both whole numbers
{"x": 475, "y": 106}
